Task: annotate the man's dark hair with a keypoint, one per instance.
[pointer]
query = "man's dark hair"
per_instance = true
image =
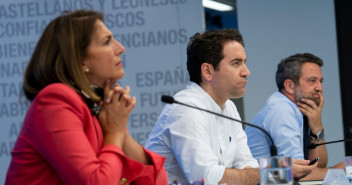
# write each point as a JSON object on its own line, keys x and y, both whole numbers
{"x": 208, "y": 48}
{"x": 291, "y": 68}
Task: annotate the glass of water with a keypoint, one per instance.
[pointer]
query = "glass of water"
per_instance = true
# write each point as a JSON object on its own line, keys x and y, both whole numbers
{"x": 348, "y": 167}
{"x": 276, "y": 170}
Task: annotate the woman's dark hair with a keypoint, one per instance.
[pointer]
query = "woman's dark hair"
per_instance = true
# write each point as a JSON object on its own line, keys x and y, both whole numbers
{"x": 59, "y": 54}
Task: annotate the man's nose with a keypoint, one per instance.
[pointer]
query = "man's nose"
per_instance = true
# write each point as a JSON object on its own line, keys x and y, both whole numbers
{"x": 245, "y": 71}
{"x": 319, "y": 87}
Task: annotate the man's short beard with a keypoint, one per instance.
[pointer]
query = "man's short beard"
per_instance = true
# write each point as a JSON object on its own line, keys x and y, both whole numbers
{"x": 298, "y": 97}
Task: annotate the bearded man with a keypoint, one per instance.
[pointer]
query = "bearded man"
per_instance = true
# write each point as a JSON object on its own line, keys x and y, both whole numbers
{"x": 298, "y": 102}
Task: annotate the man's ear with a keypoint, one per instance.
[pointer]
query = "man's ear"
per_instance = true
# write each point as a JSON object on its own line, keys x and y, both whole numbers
{"x": 289, "y": 86}
{"x": 207, "y": 71}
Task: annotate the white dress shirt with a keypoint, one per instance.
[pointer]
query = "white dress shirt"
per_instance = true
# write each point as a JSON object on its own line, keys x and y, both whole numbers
{"x": 197, "y": 144}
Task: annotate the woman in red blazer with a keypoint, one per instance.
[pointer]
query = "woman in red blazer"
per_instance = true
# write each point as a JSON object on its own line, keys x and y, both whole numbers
{"x": 75, "y": 130}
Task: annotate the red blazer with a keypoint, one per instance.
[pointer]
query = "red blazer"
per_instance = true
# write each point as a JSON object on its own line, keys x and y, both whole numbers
{"x": 62, "y": 143}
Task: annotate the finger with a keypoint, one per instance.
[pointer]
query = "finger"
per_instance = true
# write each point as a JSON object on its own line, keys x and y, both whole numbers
{"x": 300, "y": 161}
{"x": 107, "y": 91}
{"x": 304, "y": 111}
{"x": 127, "y": 98}
{"x": 307, "y": 109}
{"x": 127, "y": 90}
{"x": 309, "y": 168}
{"x": 116, "y": 97}
{"x": 322, "y": 100}
{"x": 132, "y": 103}
{"x": 309, "y": 102}
{"x": 304, "y": 107}
{"x": 129, "y": 104}
{"x": 315, "y": 165}
{"x": 118, "y": 89}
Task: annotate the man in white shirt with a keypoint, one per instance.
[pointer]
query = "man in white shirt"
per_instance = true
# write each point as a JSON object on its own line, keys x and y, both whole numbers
{"x": 198, "y": 145}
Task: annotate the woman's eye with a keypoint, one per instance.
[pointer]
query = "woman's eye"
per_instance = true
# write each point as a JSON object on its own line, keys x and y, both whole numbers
{"x": 107, "y": 42}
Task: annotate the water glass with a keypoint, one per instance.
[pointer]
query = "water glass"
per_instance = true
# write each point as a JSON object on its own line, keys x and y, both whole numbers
{"x": 348, "y": 167}
{"x": 276, "y": 170}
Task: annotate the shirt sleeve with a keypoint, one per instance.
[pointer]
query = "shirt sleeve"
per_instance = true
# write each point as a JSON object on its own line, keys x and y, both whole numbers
{"x": 189, "y": 134}
{"x": 243, "y": 157}
{"x": 58, "y": 133}
{"x": 285, "y": 129}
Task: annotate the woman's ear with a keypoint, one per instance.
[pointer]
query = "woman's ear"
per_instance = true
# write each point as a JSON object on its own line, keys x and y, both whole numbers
{"x": 207, "y": 71}
{"x": 85, "y": 67}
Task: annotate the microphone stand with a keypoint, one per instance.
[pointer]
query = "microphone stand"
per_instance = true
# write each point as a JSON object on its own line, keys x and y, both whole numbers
{"x": 314, "y": 145}
{"x": 170, "y": 100}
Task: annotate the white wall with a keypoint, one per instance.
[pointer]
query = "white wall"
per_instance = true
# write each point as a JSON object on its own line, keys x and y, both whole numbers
{"x": 275, "y": 29}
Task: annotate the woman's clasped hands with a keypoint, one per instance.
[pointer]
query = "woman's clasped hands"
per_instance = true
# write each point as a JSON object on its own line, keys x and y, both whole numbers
{"x": 116, "y": 107}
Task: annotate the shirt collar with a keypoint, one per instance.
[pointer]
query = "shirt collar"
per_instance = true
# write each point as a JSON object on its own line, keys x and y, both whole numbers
{"x": 210, "y": 103}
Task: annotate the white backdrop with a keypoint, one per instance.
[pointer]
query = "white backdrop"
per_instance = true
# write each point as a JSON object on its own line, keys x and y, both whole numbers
{"x": 275, "y": 29}
{"x": 154, "y": 33}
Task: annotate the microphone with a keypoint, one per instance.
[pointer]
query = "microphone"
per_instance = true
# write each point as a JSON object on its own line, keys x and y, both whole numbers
{"x": 171, "y": 100}
{"x": 311, "y": 146}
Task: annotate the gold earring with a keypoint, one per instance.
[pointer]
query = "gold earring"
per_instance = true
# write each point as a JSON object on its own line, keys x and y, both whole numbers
{"x": 87, "y": 70}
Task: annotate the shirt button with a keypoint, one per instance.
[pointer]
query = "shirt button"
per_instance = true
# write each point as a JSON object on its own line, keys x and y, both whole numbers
{"x": 123, "y": 180}
{"x": 158, "y": 175}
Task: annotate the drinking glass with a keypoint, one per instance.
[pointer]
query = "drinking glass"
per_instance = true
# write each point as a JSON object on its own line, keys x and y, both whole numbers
{"x": 276, "y": 170}
{"x": 348, "y": 167}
